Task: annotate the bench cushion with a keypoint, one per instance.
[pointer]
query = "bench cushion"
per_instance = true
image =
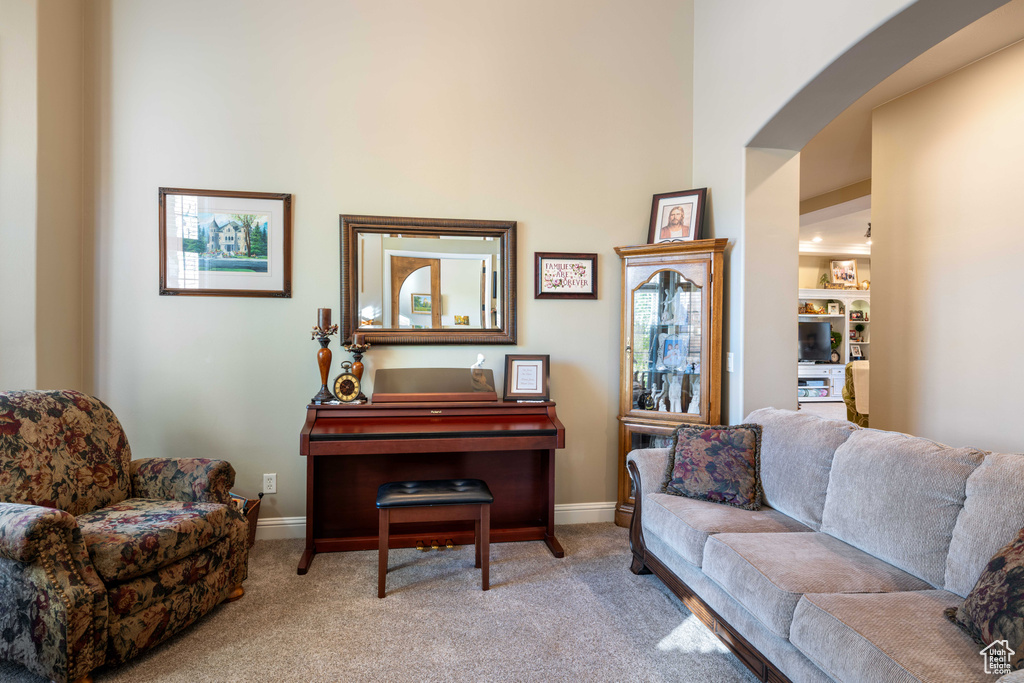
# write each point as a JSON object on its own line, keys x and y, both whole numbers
{"x": 139, "y": 535}
{"x": 434, "y": 492}
{"x": 886, "y": 637}
{"x": 796, "y": 456}
{"x": 993, "y": 513}
{"x": 684, "y": 524}
{"x": 897, "y": 497}
{"x": 768, "y": 573}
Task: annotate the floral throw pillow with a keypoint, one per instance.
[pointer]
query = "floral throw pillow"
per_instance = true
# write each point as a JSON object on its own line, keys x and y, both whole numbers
{"x": 994, "y": 609}
{"x": 717, "y": 464}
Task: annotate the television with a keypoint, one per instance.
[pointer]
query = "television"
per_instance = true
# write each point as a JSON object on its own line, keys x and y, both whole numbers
{"x": 815, "y": 342}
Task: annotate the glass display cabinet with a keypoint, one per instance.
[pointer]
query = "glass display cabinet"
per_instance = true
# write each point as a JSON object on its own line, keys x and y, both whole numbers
{"x": 671, "y": 346}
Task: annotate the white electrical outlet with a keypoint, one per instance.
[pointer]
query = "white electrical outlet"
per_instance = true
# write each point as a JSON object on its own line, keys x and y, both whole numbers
{"x": 270, "y": 483}
{"x": 729, "y": 366}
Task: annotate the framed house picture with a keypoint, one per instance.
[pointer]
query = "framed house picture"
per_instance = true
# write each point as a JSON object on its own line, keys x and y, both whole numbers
{"x": 677, "y": 216}
{"x": 420, "y": 303}
{"x": 844, "y": 273}
{"x": 526, "y": 377}
{"x": 564, "y": 276}
{"x": 223, "y": 243}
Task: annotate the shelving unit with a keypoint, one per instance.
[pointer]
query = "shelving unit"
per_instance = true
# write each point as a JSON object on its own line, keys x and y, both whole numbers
{"x": 824, "y": 382}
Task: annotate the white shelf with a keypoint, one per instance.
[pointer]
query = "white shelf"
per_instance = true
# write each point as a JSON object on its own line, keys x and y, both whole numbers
{"x": 820, "y": 315}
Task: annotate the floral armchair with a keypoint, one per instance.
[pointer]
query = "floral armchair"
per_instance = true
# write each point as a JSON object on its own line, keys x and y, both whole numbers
{"x": 102, "y": 556}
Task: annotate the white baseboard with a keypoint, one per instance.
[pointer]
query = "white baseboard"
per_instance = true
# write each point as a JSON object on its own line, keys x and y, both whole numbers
{"x": 276, "y": 528}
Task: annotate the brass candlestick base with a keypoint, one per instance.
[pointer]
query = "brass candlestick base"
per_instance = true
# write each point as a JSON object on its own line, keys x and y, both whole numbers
{"x": 323, "y": 360}
{"x": 357, "y": 351}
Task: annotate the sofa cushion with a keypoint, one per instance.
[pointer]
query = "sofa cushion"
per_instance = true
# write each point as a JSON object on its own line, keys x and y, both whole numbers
{"x": 684, "y": 524}
{"x": 898, "y": 497}
{"x": 139, "y": 535}
{"x": 767, "y": 573}
{"x": 61, "y": 449}
{"x": 717, "y": 464}
{"x": 796, "y": 456}
{"x": 994, "y": 609}
{"x": 885, "y": 637}
{"x": 991, "y": 517}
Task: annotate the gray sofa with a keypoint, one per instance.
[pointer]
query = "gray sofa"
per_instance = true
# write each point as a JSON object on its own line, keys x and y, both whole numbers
{"x": 864, "y": 539}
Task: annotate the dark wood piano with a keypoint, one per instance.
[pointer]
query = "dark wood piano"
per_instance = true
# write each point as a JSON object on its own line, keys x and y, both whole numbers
{"x": 353, "y": 449}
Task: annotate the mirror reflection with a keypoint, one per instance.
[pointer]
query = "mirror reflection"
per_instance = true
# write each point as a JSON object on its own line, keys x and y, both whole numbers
{"x": 428, "y": 280}
{"x": 415, "y": 282}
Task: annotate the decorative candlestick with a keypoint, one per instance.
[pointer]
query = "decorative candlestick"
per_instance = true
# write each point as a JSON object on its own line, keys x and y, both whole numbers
{"x": 322, "y": 332}
{"x": 357, "y": 348}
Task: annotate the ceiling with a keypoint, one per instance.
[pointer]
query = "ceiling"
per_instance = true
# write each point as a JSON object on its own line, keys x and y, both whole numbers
{"x": 840, "y": 227}
{"x": 840, "y": 154}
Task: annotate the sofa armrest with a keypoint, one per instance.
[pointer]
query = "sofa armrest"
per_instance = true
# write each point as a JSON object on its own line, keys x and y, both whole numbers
{"x": 53, "y": 605}
{"x": 652, "y": 464}
{"x": 196, "y": 480}
{"x": 24, "y": 529}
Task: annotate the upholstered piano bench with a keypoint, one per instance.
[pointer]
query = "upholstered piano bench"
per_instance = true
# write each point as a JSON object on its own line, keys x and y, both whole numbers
{"x": 440, "y": 500}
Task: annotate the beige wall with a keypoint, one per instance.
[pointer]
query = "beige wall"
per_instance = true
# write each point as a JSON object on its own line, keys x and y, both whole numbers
{"x": 59, "y": 285}
{"x": 750, "y": 59}
{"x": 41, "y": 138}
{"x": 946, "y": 257}
{"x": 18, "y": 124}
{"x": 565, "y": 117}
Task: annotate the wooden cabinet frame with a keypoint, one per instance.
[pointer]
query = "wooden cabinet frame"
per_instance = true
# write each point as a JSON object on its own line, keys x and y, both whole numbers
{"x": 699, "y": 262}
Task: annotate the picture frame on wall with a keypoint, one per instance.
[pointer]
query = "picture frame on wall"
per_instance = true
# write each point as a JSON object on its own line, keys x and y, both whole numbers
{"x": 420, "y": 303}
{"x": 526, "y": 377}
{"x": 559, "y": 275}
{"x": 844, "y": 273}
{"x": 677, "y": 216}
{"x": 225, "y": 243}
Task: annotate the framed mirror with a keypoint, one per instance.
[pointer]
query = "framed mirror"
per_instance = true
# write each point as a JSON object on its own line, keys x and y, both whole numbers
{"x": 428, "y": 280}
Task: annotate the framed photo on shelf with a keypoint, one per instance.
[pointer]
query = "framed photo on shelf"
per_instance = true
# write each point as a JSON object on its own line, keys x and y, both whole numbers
{"x": 677, "y": 216}
{"x": 526, "y": 377}
{"x": 844, "y": 273}
{"x": 564, "y": 276}
{"x": 855, "y": 353}
{"x": 223, "y": 243}
{"x": 673, "y": 349}
{"x": 420, "y": 303}
{"x": 833, "y": 309}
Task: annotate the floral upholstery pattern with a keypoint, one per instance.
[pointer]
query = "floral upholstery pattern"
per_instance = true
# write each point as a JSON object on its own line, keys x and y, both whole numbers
{"x": 191, "y": 479}
{"x": 139, "y": 535}
{"x": 64, "y": 459}
{"x": 61, "y": 449}
{"x": 151, "y": 608}
{"x": 994, "y": 609}
{"x": 717, "y": 464}
{"x": 53, "y": 606}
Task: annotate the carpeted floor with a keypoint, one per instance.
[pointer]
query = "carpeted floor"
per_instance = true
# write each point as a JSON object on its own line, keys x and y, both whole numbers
{"x": 584, "y": 617}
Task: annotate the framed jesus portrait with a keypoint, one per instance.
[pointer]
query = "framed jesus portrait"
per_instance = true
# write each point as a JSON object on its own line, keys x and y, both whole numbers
{"x": 677, "y": 216}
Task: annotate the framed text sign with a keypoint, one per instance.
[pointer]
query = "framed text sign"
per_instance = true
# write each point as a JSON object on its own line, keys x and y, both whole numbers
{"x": 565, "y": 276}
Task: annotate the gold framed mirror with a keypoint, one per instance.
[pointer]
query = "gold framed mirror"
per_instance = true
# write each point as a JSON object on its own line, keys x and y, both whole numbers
{"x": 428, "y": 280}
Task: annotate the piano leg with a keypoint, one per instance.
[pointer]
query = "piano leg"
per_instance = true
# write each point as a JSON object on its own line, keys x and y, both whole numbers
{"x": 549, "y": 535}
{"x": 306, "y": 560}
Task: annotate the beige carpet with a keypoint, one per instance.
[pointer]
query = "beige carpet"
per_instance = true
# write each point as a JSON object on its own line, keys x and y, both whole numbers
{"x": 584, "y": 617}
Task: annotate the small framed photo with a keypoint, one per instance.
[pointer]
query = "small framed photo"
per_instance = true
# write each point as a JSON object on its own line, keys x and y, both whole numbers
{"x": 833, "y": 309}
{"x": 677, "y": 216}
{"x": 564, "y": 276}
{"x": 222, "y": 243}
{"x": 526, "y": 378}
{"x": 844, "y": 273}
{"x": 855, "y": 353}
{"x": 421, "y": 303}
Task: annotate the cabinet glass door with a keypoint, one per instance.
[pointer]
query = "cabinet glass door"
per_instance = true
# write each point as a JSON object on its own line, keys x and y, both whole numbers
{"x": 666, "y": 344}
